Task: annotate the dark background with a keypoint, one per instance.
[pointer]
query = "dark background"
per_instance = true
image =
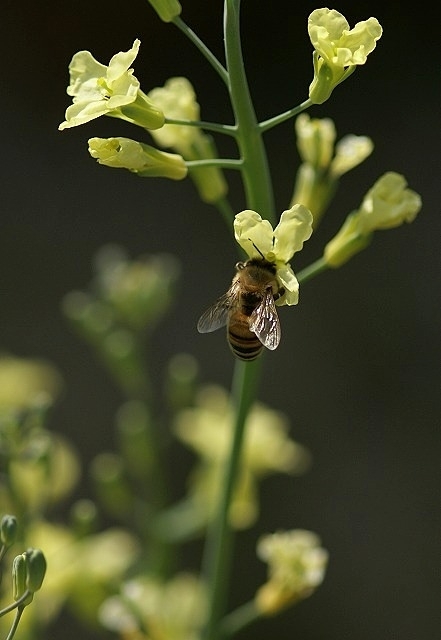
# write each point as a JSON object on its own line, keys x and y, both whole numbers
{"x": 358, "y": 371}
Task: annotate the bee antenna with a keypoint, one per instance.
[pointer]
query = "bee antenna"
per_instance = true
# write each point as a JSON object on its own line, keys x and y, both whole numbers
{"x": 256, "y": 248}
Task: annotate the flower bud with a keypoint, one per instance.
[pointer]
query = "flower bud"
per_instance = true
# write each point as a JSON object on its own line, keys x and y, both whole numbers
{"x": 145, "y": 161}
{"x": 19, "y": 575}
{"x": 386, "y": 205}
{"x": 166, "y": 9}
{"x": 8, "y": 530}
{"x": 177, "y": 99}
{"x": 347, "y": 243}
{"x": 36, "y": 569}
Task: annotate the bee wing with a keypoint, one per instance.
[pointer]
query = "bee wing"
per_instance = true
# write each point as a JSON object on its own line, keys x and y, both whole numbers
{"x": 217, "y": 315}
{"x": 265, "y": 323}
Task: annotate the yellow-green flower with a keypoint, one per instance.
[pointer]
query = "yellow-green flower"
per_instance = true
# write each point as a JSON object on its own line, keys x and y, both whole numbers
{"x": 166, "y": 9}
{"x": 145, "y": 161}
{"x": 315, "y": 140}
{"x": 296, "y": 567}
{"x": 177, "y": 99}
{"x": 111, "y": 90}
{"x": 257, "y": 238}
{"x": 324, "y": 161}
{"x": 337, "y": 49}
{"x": 388, "y": 204}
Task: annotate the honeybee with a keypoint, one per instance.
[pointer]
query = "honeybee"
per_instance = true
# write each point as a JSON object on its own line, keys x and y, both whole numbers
{"x": 248, "y": 310}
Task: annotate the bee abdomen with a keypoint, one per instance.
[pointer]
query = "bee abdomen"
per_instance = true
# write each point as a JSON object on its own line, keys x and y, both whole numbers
{"x": 245, "y": 346}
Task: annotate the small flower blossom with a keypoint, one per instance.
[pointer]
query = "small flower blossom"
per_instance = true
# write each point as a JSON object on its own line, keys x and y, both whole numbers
{"x": 145, "y": 161}
{"x": 324, "y": 161}
{"x": 177, "y": 99}
{"x": 296, "y": 567}
{"x": 207, "y": 428}
{"x": 386, "y": 205}
{"x": 257, "y": 238}
{"x": 98, "y": 90}
{"x": 315, "y": 140}
{"x": 337, "y": 49}
{"x": 167, "y": 10}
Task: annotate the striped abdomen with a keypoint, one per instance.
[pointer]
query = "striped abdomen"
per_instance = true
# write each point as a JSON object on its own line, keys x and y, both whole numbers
{"x": 244, "y": 343}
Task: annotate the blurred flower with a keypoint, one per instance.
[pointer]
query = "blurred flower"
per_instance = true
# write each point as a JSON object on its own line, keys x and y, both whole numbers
{"x": 166, "y": 9}
{"x": 81, "y": 571}
{"x": 145, "y": 161}
{"x": 154, "y": 610}
{"x": 386, "y": 205}
{"x": 207, "y": 428}
{"x": 43, "y": 469}
{"x": 177, "y": 99}
{"x": 257, "y": 238}
{"x": 323, "y": 161}
{"x": 139, "y": 290}
{"x": 296, "y": 567}
{"x": 98, "y": 90}
{"x": 337, "y": 49}
{"x": 25, "y": 382}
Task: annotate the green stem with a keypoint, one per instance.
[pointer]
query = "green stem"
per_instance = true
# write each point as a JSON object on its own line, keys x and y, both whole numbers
{"x": 255, "y": 171}
{"x": 217, "y": 558}
{"x": 259, "y": 196}
{"x": 215, "y": 127}
{"x": 18, "y": 604}
{"x": 312, "y": 270}
{"x": 286, "y": 115}
{"x": 239, "y": 619}
{"x": 15, "y": 623}
{"x": 208, "y": 55}
{"x": 224, "y": 163}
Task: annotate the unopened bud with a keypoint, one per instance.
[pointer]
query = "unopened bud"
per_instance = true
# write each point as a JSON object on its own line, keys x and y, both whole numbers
{"x": 36, "y": 569}
{"x": 8, "y": 530}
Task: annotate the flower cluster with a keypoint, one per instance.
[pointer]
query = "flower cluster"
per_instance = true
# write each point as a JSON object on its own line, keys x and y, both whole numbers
{"x": 114, "y": 91}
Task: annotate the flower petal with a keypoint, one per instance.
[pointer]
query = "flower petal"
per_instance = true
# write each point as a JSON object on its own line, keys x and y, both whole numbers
{"x": 350, "y": 151}
{"x": 288, "y": 280}
{"x": 294, "y": 228}
{"x": 253, "y": 234}
{"x": 120, "y": 62}
{"x": 83, "y": 72}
